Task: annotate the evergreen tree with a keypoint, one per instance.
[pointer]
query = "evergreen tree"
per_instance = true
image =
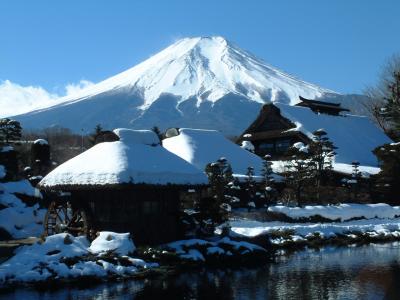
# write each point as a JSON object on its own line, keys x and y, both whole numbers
{"x": 269, "y": 181}
{"x": 250, "y": 188}
{"x": 215, "y": 210}
{"x": 10, "y": 130}
{"x": 300, "y": 171}
{"x": 97, "y": 131}
{"x": 321, "y": 153}
{"x": 387, "y": 182}
{"x": 354, "y": 182}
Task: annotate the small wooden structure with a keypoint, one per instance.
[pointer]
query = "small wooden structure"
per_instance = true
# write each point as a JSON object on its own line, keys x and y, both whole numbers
{"x": 322, "y": 107}
{"x": 130, "y": 184}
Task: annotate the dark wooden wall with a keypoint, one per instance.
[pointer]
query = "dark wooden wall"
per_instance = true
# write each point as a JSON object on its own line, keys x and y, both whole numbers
{"x": 151, "y": 215}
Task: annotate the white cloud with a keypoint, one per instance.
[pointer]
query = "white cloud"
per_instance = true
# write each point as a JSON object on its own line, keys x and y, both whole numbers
{"x": 73, "y": 89}
{"x": 16, "y": 99}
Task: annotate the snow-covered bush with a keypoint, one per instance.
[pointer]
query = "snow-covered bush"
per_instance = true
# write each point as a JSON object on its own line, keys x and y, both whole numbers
{"x": 17, "y": 218}
{"x": 119, "y": 243}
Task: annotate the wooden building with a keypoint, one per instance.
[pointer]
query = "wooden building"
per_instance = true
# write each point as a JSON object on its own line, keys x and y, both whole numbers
{"x": 278, "y": 126}
{"x": 130, "y": 184}
{"x": 271, "y": 133}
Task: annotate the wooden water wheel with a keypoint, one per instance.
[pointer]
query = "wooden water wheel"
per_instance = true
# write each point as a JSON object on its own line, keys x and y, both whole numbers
{"x": 63, "y": 217}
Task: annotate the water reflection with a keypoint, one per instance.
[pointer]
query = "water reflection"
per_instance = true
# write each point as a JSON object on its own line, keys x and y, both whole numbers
{"x": 368, "y": 272}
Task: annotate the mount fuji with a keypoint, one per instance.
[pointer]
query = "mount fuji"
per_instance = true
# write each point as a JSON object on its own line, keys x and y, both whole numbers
{"x": 202, "y": 82}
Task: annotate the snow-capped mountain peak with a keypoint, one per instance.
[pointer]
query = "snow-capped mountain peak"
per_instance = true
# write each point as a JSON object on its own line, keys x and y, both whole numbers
{"x": 207, "y": 68}
{"x": 204, "y": 82}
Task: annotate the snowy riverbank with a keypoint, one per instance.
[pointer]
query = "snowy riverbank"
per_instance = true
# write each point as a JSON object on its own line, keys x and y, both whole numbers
{"x": 284, "y": 226}
{"x": 63, "y": 256}
{"x": 341, "y": 212}
{"x": 282, "y": 234}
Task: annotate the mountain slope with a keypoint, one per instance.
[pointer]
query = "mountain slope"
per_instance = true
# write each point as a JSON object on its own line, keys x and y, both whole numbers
{"x": 197, "y": 82}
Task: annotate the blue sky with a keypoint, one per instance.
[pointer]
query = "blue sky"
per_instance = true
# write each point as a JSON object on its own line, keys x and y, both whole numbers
{"x": 339, "y": 45}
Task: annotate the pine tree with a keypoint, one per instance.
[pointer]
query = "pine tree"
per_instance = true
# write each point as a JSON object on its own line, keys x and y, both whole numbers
{"x": 215, "y": 210}
{"x": 354, "y": 182}
{"x": 250, "y": 188}
{"x": 387, "y": 182}
{"x": 96, "y": 133}
{"x": 300, "y": 171}
{"x": 10, "y": 130}
{"x": 268, "y": 180}
{"x": 321, "y": 151}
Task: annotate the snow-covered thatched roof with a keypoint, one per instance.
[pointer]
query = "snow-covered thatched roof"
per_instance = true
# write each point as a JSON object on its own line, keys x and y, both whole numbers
{"x": 200, "y": 147}
{"x": 136, "y": 158}
{"x": 355, "y": 136}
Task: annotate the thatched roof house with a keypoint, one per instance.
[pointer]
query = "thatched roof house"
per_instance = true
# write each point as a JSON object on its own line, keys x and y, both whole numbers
{"x": 279, "y": 126}
{"x": 200, "y": 147}
{"x": 130, "y": 184}
{"x": 136, "y": 158}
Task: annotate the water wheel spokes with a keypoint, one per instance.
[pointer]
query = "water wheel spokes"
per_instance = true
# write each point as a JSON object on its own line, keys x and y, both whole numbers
{"x": 63, "y": 217}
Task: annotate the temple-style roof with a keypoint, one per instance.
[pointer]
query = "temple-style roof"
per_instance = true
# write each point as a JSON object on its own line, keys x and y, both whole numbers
{"x": 322, "y": 106}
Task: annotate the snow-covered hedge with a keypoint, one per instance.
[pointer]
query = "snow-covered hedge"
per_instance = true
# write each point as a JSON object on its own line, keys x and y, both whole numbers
{"x": 340, "y": 212}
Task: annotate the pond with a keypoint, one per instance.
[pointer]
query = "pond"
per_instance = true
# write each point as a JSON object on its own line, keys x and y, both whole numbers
{"x": 365, "y": 272}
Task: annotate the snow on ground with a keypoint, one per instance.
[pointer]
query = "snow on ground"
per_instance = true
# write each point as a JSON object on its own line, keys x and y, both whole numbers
{"x": 298, "y": 232}
{"x": 280, "y": 166}
{"x": 366, "y": 171}
{"x": 136, "y": 158}
{"x": 20, "y": 187}
{"x": 381, "y": 221}
{"x": 65, "y": 256}
{"x": 119, "y": 243}
{"x": 355, "y": 136}
{"x": 341, "y": 212}
{"x": 18, "y": 219}
{"x": 200, "y": 147}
